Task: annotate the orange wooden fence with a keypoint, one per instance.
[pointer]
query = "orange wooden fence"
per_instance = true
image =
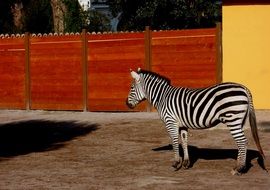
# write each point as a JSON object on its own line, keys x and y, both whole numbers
{"x": 90, "y": 72}
{"x": 12, "y": 73}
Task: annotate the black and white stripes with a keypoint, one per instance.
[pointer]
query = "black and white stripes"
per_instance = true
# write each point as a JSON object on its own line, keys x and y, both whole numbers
{"x": 183, "y": 108}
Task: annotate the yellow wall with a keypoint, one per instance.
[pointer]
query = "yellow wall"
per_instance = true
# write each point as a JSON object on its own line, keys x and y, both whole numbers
{"x": 246, "y": 49}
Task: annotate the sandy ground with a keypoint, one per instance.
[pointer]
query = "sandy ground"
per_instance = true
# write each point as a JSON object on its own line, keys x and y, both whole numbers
{"x": 83, "y": 150}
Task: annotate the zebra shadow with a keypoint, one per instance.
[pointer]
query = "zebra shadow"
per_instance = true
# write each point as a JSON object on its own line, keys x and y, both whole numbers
{"x": 196, "y": 153}
{"x": 24, "y": 137}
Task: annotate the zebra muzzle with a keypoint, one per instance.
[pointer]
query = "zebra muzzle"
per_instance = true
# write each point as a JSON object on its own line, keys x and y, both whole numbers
{"x": 129, "y": 104}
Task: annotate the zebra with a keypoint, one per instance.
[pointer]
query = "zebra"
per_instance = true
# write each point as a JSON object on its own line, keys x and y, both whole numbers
{"x": 182, "y": 108}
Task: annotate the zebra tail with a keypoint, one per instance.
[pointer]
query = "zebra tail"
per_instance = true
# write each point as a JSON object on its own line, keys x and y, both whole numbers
{"x": 253, "y": 124}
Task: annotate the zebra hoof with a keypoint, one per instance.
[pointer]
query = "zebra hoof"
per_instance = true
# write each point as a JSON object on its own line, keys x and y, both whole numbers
{"x": 238, "y": 170}
{"x": 177, "y": 165}
{"x": 235, "y": 172}
{"x": 186, "y": 164}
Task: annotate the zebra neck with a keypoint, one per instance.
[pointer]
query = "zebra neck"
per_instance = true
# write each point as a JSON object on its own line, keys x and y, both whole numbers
{"x": 156, "y": 93}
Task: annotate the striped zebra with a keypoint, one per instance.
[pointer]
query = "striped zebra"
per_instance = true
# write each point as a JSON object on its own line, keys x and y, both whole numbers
{"x": 183, "y": 108}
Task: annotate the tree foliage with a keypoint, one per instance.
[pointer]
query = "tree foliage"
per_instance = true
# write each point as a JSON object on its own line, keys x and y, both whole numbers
{"x": 74, "y": 16}
{"x": 166, "y": 14}
{"x": 6, "y": 17}
{"x": 97, "y": 22}
{"x": 38, "y": 17}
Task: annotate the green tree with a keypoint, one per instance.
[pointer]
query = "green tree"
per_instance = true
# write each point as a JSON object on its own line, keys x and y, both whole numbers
{"x": 6, "y": 17}
{"x": 166, "y": 14}
{"x": 74, "y": 16}
{"x": 38, "y": 17}
{"x": 76, "y": 19}
{"x": 97, "y": 22}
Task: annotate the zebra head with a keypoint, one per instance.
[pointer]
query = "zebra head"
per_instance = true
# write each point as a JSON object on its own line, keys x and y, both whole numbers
{"x": 136, "y": 93}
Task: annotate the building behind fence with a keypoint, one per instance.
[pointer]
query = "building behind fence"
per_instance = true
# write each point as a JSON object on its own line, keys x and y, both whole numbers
{"x": 246, "y": 47}
{"x": 90, "y": 72}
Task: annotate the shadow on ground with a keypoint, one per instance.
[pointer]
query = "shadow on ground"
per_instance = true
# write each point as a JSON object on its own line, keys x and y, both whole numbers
{"x": 196, "y": 153}
{"x": 19, "y": 138}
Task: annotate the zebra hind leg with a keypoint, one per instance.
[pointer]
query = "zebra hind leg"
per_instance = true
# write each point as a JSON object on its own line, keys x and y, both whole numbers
{"x": 241, "y": 141}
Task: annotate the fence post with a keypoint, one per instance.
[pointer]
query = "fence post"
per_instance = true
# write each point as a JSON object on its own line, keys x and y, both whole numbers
{"x": 219, "y": 52}
{"x": 27, "y": 71}
{"x": 148, "y": 55}
{"x": 148, "y": 48}
{"x": 85, "y": 70}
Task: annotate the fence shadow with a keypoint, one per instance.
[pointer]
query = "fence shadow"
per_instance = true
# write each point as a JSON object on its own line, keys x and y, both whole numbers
{"x": 23, "y": 137}
{"x": 196, "y": 153}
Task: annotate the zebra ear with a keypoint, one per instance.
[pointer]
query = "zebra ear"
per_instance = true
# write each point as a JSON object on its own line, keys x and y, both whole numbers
{"x": 139, "y": 69}
{"x": 135, "y": 75}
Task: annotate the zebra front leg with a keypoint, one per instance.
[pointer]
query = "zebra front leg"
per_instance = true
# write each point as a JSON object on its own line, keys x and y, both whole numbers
{"x": 173, "y": 132}
{"x": 184, "y": 137}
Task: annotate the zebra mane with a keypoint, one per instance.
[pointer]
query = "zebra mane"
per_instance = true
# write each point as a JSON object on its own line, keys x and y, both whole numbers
{"x": 155, "y": 75}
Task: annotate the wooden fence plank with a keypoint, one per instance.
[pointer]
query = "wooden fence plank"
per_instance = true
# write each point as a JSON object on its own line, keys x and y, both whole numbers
{"x": 56, "y": 73}
{"x": 109, "y": 62}
{"x": 187, "y": 57}
{"x": 12, "y": 73}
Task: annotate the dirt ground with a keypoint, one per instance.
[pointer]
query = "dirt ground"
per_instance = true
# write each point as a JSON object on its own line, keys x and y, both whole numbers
{"x": 83, "y": 150}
